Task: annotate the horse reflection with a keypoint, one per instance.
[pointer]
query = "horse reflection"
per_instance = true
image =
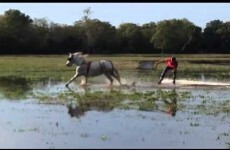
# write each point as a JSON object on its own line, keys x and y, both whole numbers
{"x": 77, "y": 111}
{"x": 80, "y": 109}
{"x": 84, "y": 106}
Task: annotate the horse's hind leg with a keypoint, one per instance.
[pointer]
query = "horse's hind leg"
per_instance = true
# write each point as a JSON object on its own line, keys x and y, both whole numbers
{"x": 84, "y": 82}
{"x": 116, "y": 75}
{"x": 109, "y": 77}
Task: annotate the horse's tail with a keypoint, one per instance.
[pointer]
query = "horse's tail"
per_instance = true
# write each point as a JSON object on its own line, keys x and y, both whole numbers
{"x": 115, "y": 72}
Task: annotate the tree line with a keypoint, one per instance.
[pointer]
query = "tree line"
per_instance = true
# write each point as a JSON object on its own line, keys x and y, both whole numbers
{"x": 19, "y": 34}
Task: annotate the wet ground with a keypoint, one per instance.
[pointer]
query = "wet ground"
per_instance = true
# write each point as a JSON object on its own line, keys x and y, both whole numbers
{"x": 199, "y": 121}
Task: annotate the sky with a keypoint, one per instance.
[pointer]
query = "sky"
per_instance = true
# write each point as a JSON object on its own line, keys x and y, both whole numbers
{"x": 118, "y": 13}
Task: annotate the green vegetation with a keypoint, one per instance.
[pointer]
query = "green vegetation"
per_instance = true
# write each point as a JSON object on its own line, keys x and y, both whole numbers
{"x": 53, "y": 66}
{"x": 19, "y": 75}
{"x": 19, "y": 34}
{"x": 14, "y": 87}
{"x": 154, "y": 100}
{"x": 105, "y": 101}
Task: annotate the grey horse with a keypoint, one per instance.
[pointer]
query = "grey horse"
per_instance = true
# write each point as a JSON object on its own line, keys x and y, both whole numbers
{"x": 91, "y": 68}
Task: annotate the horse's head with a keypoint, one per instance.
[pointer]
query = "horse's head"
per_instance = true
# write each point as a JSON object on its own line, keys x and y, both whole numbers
{"x": 75, "y": 58}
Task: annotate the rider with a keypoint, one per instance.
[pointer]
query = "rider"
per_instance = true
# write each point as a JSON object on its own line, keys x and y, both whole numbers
{"x": 171, "y": 64}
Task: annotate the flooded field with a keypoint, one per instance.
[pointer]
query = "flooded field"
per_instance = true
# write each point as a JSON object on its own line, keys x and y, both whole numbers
{"x": 45, "y": 114}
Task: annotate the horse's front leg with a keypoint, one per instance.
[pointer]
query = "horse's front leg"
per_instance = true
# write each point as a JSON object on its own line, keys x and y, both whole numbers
{"x": 73, "y": 78}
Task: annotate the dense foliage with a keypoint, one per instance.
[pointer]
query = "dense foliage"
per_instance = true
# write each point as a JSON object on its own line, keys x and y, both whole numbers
{"x": 19, "y": 34}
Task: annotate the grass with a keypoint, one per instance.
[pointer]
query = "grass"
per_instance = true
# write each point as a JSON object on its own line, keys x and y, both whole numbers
{"x": 53, "y": 66}
{"x": 106, "y": 101}
{"x": 33, "y": 67}
{"x": 153, "y": 100}
{"x": 19, "y": 73}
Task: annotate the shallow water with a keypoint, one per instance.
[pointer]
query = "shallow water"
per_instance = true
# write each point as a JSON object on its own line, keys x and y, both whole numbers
{"x": 201, "y": 121}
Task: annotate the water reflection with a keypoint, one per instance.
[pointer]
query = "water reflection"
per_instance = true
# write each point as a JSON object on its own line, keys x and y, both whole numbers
{"x": 170, "y": 101}
{"x": 77, "y": 111}
{"x": 172, "y": 104}
{"x": 81, "y": 108}
{"x": 99, "y": 97}
{"x": 166, "y": 101}
{"x": 98, "y": 104}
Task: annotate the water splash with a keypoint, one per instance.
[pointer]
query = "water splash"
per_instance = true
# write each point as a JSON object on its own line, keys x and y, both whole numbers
{"x": 194, "y": 82}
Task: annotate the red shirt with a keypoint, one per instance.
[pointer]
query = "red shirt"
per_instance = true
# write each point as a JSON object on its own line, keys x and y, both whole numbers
{"x": 171, "y": 64}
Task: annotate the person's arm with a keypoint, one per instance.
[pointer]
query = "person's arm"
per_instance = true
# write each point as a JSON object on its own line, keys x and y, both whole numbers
{"x": 156, "y": 63}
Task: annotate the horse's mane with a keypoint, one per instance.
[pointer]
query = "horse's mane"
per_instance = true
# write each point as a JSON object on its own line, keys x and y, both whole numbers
{"x": 81, "y": 54}
{"x": 78, "y": 53}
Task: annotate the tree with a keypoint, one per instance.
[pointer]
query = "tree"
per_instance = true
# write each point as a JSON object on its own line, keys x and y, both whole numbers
{"x": 88, "y": 31}
{"x": 214, "y": 25}
{"x": 100, "y": 36}
{"x": 148, "y": 30}
{"x": 171, "y": 35}
{"x": 15, "y": 28}
{"x": 130, "y": 37}
{"x": 224, "y": 32}
{"x": 211, "y": 39}
{"x": 41, "y": 31}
